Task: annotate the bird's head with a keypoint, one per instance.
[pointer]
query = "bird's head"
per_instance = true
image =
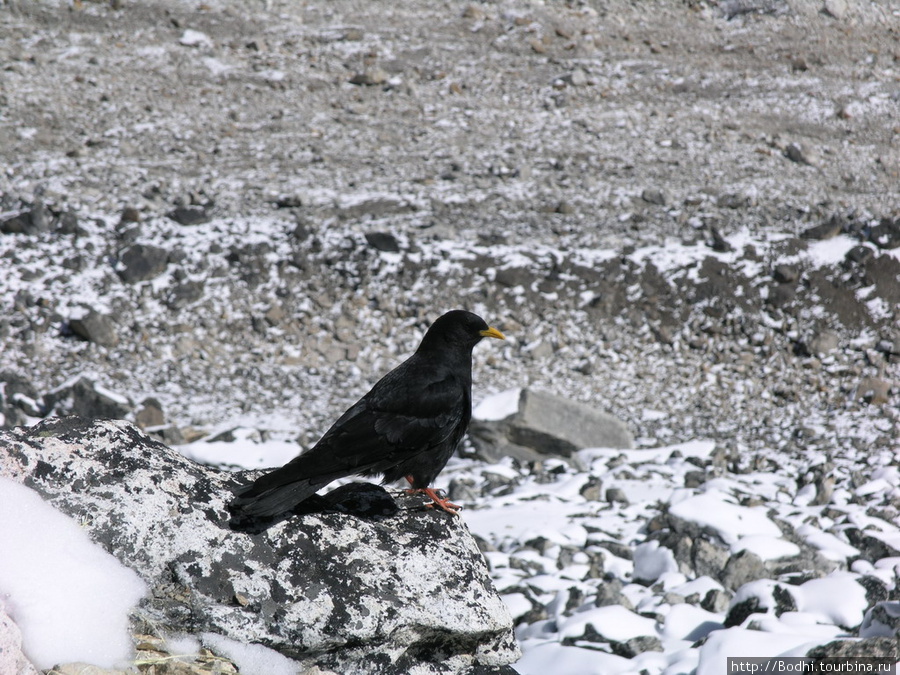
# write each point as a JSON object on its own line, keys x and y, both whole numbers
{"x": 458, "y": 329}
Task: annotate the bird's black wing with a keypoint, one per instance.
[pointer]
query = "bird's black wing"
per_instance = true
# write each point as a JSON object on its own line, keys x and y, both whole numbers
{"x": 412, "y": 409}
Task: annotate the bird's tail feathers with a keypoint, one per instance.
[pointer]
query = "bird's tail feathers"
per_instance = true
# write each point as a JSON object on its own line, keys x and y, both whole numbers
{"x": 275, "y": 501}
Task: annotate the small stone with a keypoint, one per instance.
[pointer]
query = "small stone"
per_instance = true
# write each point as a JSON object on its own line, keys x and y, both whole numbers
{"x": 836, "y": 9}
{"x": 823, "y": 342}
{"x": 592, "y": 489}
{"x": 577, "y": 78}
{"x": 184, "y": 294}
{"x": 886, "y": 234}
{"x": 638, "y": 645}
{"x": 801, "y": 154}
{"x": 616, "y": 495}
{"x": 95, "y": 327}
{"x": 370, "y": 77}
{"x": 141, "y": 262}
{"x": 654, "y": 196}
{"x": 874, "y": 390}
{"x": 565, "y": 208}
{"x": 473, "y": 12}
{"x": 785, "y": 274}
{"x": 716, "y": 601}
{"x": 190, "y": 215}
{"x": 827, "y": 230}
{"x": 130, "y": 215}
{"x": 150, "y": 414}
{"x": 742, "y": 568}
{"x": 719, "y": 243}
{"x": 732, "y": 200}
{"x": 537, "y": 46}
{"x": 383, "y": 241}
{"x": 693, "y": 479}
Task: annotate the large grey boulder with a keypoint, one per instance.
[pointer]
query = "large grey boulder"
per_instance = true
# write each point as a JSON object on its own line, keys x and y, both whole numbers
{"x": 545, "y": 425}
{"x": 389, "y": 590}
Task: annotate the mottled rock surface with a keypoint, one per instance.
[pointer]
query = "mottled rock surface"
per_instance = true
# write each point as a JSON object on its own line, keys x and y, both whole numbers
{"x": 351, "y": 593}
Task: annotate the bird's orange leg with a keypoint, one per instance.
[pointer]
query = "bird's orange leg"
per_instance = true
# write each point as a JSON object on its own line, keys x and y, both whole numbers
{"x": 436, "y": 499}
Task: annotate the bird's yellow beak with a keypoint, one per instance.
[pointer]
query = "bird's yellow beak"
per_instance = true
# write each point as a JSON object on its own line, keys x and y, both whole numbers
{"x": 492, "y": 332}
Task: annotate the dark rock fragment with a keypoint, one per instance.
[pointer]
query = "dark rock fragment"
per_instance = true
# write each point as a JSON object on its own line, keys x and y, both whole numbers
{"x": 190, "y": 215}
{"x": 142, "y": 262}
{"x": 95, "y": 327}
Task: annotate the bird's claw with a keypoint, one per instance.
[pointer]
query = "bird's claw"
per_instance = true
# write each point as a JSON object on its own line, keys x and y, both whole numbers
{"x": 437, "y": 500}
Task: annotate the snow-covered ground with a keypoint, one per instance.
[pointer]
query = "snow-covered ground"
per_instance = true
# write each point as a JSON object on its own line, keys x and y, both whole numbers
{"x": 552, "y": 550}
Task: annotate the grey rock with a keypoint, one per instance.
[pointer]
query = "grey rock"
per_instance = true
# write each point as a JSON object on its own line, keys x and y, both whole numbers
{"x": 638, "y": 645}
{"x": 780, "y": 602}
{"x": 545, "y": 424}
{"x": 742, "y": 568}
{"x": 343, "y": 588}
{"x": 84, "y": 397}
{"x": 823, "y": 342}
{"x": 18, "y": 397}
{"x": 383, "y": 241}
{"x": 707, "y": 558}
{"x": 654, "y": 196}
{"x": 141, "y": 262}
{"x": 185, "y": 293}
{"x": 150, "y": 414}
{"x": 33, "y": 221}
{"x": 592, "y": 490}
{"x": 616, "y": 495}
{"x": 886, "y": 234}
{"x": 95, "y": 327}
{"x": 577, "y": 78}
{"x": 190, "y": 215}
{"x": 874, "y": 390}
{"x": 827, "y": 230}
{"x": 785, "y": 274}
{"x": 716, "y": 600}
{"x": 802, "y": 153}
{"x": 887, "y": 648}
{"x": 370, "y": 77}
{"x": 836, "y": 9}
{"x": 693, "y": 479}
{"x": 12, "y": 659}
{"x": 881, "y": 620}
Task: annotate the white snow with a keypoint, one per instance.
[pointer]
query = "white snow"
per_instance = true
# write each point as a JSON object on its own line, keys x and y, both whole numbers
{"x": 742, "y": 642}
{"x": 499, "y": 406}
{"x": 766, "y": 547}
{"x": 251, "y": 659}
{"x": 713, "y": 509}
{"x": 69, "y": 597}
{"x": 651, "y": 561}
{"x": 195, "y": 38}
{"x": 612, "y": 622}
{"x": 247, "y": 451}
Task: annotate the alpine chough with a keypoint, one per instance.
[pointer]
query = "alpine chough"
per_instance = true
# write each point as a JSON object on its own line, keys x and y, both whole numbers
{"x": 407, "y": 426}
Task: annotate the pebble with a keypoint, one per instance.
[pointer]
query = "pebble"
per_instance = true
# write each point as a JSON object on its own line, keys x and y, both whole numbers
{"x": 370, "y": 77}
{"x": 836, "y": 9}
{"x": 802, "y": 153}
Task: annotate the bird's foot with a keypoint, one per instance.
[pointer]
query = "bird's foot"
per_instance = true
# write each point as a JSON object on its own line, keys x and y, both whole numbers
{"x": 437, "y": 501}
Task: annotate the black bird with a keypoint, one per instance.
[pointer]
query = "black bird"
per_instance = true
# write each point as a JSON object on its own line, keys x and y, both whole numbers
{"x": 407, "y": 426}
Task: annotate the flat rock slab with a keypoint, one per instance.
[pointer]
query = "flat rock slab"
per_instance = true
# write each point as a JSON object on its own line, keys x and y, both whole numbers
{"x": 546, "y": 425}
